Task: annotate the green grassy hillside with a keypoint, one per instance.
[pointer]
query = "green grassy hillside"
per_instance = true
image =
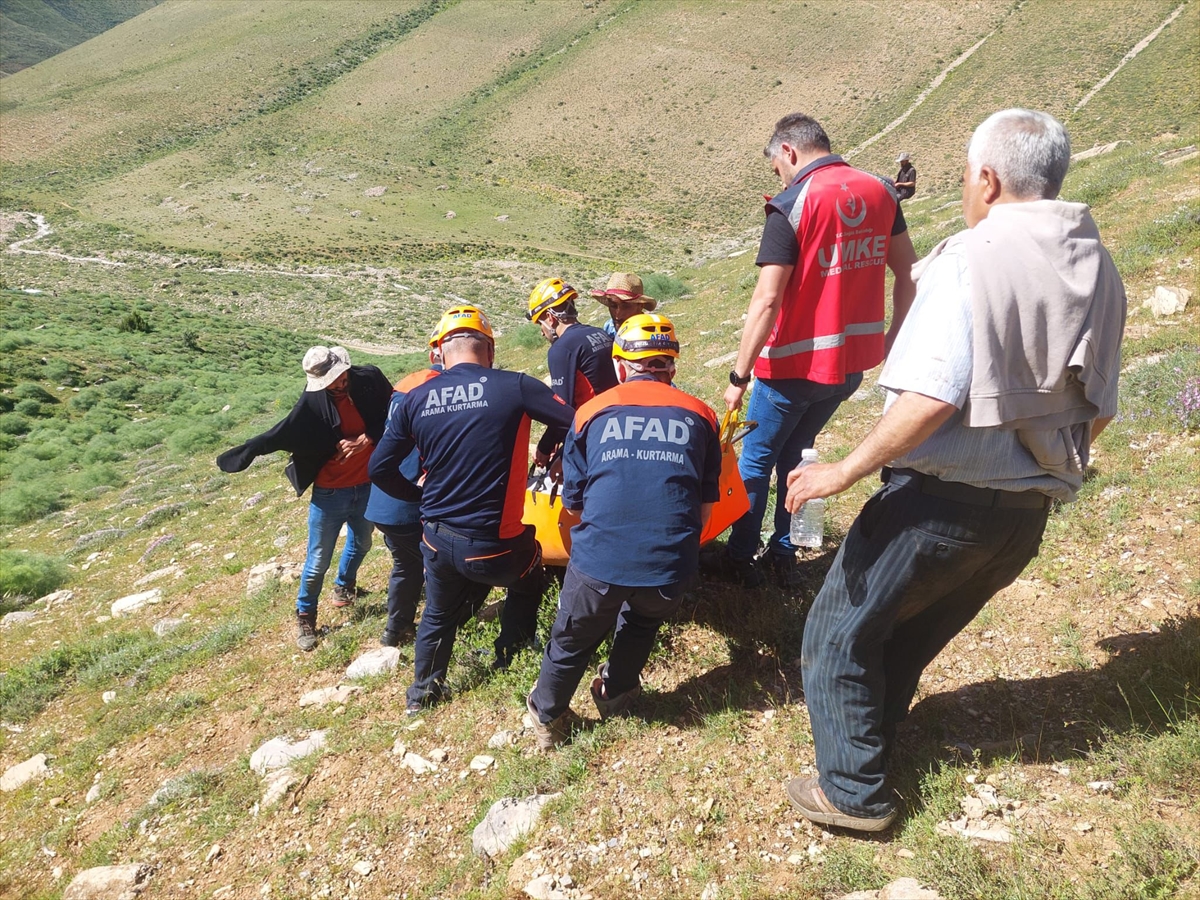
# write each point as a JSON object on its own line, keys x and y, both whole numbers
{"x": 33, "y": 30}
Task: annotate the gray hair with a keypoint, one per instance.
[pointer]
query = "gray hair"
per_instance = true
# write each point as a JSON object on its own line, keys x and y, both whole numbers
{"x": 800, "y": 132}
{"x": 1028, "y": 150}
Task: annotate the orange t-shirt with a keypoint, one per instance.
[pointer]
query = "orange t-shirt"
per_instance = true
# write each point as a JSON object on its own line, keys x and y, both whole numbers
{"x": 341, "y": 473}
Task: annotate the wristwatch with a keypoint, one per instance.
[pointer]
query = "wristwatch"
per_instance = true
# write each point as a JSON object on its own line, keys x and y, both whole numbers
{"x": 737, "y": 381}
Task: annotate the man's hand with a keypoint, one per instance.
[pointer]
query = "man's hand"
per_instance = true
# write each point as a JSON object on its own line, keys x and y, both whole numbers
{"x": 733, "y": 397}
{"x": 806, "y": 483}
{"x": 540, "y": 459}
{"x": 348, "y": 448}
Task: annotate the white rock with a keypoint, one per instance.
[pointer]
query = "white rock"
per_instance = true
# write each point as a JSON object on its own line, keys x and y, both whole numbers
{"x": 19, "y": 617}
{"x": 134, "y": 602}
{"x": 399, "y": 748}
{"x": 379, "y": 661}
{"x": 1102, "y": 787}
{"x": 545, "y": 887}
{"x": 439, "y": 755}
{"x": 502, "y": 739}
{"x": 451, "y": 214}
{"x": 363, "y": 867}
{"x": 93, "y": 794}
{"x": 57, "y": 598}
{"x": 16, "y": 776}
{"x": 264, "y": 573}
{"x": 163, "y": 627}
{"x": 108, "y": 883}
{"x": 482, "y": 762}
{"x": 213, "y": 852}
{"x": 278, "y": 783}
{"x": 323, "y": 696}
{"x": 419, "y": 764}
{"x": 507, "y": 820}
{"x": 1166, "y": 301}
{"x": 156, "y": 575}
{"x": 108, "y": 697}
{"x": 907, "y": 889}
{"x": 278, "y": 752}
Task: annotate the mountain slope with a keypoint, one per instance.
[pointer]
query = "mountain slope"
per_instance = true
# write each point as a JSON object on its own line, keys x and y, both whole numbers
{"x": 614, "y": 130}
{"x": 33, "y": 30}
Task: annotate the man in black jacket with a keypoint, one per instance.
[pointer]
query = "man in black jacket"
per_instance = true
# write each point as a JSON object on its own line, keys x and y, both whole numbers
{"x": 330, "y": 434}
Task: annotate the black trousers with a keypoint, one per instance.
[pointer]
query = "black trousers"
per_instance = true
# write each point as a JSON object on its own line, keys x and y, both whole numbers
{"x": 587, "y": 611}
{"x": 459, "y": 572}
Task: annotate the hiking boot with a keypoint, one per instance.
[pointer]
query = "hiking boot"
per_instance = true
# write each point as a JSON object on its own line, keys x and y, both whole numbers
{"x": 306, "y": 624}
{"x": 391, "y": 638}
{"x": 611, "y": 707}
{"x": 557, "y": 732}
{"x": 343, "y": 595}
{"x": 745, "y": 571}
{"x": 807, "y": 797}
{"x": 786, "y": 570}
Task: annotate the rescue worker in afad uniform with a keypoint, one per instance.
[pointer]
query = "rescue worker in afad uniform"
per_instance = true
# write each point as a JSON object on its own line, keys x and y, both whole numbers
{"x": 647, "y": 440}
{"x": 471, "y": 426}
{"x": 579, "y": 359}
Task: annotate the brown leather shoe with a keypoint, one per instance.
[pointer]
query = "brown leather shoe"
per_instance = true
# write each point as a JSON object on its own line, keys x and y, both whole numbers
{"x": 806, "y": 795}
{"x": 549, "y": 736}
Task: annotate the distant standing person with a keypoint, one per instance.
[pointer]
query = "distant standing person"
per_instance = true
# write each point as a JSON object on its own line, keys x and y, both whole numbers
{"x": 624, "y": 297}
{"x": 906, "y": 178}
{"x": 647, "y": 450}
{"x": 330, "y": 433}
{"x": 471, "y": 425}
{"x": 1004, "y": 373}
{"x": 816, "y": 319}
{"x": 580, "y": 356}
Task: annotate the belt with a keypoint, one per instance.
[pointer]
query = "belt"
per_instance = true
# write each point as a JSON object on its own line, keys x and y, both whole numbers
{"x": 965, "y": 493}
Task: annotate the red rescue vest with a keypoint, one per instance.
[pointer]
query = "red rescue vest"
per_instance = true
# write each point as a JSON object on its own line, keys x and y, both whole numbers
{"x": 831, "y": 321}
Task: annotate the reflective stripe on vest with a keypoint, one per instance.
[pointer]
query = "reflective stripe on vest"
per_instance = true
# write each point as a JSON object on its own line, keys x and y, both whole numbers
{"x": 824, "y": 342}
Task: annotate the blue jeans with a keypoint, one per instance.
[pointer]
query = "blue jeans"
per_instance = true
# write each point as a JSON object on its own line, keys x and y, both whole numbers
{"x": 913, "y": 571}
{"x": 328, "y": 511}
{"x": 790, "y": 413}
{"x": 587, "y": 611}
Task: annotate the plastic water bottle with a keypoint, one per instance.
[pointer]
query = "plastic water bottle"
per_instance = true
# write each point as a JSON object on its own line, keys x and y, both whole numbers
{"x": 808, "y": 522}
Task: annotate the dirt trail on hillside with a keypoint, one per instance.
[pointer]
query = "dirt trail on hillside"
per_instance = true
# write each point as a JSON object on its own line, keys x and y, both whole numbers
{"x": 921, "y": 97}
{"x": 44, "y": 229}
{"x": 1137, "y": 48}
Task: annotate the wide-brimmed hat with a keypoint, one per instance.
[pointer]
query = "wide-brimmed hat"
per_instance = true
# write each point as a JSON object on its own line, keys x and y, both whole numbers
{"x": 624, "y": 286}
{"x": 323, "y": 366}
{"x": 903, "y": 157}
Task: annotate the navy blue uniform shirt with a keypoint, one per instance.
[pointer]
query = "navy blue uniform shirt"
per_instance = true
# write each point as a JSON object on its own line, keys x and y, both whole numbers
{"x": 639, "y": 461}
{"x": 581, "y": 366}
{"x": 471, "y": 426}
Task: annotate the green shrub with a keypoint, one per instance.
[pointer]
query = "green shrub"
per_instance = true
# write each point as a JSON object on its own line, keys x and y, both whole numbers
{"x": 30, "y": 574}
{"x": 61, "y": 371}
{"x": 30, "y": 408}
{"x": 28, "y": 501}
{"x": 11, "y": 342}
{"x": 194, "y": 439}
{"x": 14, "y": 423}
{"x": 121, "y": 389}
{"x": 103, "y": 448}
{"x": 141, "y": 435}
{"x": 663, "y": 287}
{"x": 134, "y": 322}
{"x": 94, "y": 476}
{"x": 86, "y": 399}
{"x": 30, "y": 391}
